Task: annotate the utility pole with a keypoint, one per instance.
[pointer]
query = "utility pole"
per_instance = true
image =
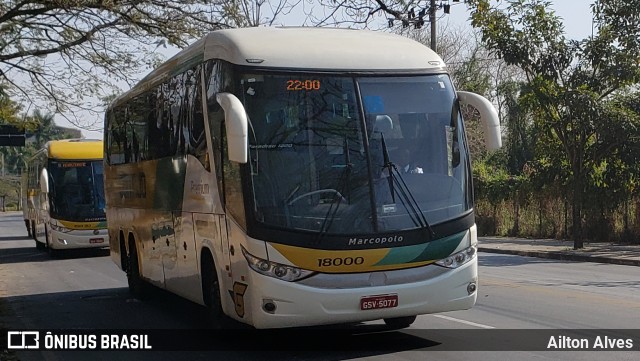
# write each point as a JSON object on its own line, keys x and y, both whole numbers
{"x": 432, "y": 21}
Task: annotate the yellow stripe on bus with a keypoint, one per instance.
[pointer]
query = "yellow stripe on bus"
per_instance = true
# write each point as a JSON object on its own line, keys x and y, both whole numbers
{"x": 83, "y": 225}
{"x": 341, "y": 261}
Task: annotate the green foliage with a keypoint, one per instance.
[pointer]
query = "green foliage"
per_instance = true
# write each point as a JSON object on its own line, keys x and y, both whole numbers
{"x": 43, "y": 128}
{"x": 569, "y": 85}
{"x": 472, "y": 77}
{"x": 62, "y": 54}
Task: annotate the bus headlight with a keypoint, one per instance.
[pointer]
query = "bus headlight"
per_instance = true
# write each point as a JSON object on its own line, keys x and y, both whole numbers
{"x": 275, "y": 270}
{"x": 458, "y": 259}
{"x": 58, "y": 228}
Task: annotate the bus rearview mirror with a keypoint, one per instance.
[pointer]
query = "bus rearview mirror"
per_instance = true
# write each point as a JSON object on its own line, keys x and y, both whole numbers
{"x": 488, "y": 115}
{"x": 44, "y": 181}
{"x": 236, "y": 125}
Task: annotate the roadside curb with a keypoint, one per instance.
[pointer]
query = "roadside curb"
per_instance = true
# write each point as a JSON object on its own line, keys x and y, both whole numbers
{"x": 564, "y": 256}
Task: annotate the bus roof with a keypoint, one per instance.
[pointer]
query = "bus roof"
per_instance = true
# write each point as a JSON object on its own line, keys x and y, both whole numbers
{"x": 75, "y": 149}
{"x": 300, "y": 48}
{"x": 319, "y": 48}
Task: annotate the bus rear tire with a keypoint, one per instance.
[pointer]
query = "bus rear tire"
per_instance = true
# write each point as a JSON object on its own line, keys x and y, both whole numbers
{"x": 216, "y": 318}
{"x": 137, "y": 286}
{"x": 399, "y": 322}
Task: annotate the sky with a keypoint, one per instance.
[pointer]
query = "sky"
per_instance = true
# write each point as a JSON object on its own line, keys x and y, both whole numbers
{"x": 576, "y": 15}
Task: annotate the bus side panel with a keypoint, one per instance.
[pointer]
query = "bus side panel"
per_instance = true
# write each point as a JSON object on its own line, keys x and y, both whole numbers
{"x": 200, "y": 188}
{"x": 182, "y": 263}
{"x": 131, "y": 192}
{"x": 238, "y": 298}
{"x": 181, "y": 271}
{"x": 208, "y": 238}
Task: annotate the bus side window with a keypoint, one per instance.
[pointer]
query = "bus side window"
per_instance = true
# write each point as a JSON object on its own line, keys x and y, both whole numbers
{"x": 197, "y": 141}
{"x": 233, "y": 197}
{"x": 138, "y": 129}
{"x": 217, "y": 80}
{"x": 176, "y": 115}
{"x": 117, "y": 139}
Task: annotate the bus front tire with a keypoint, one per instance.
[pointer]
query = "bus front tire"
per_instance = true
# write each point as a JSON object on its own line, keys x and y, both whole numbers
{"x": 53, "y": 253}
{"x": 28, "y": 225}
{"x": 399, "y": 322}
{"x": 211, "y": 292}
{"x": 39, "y": 245}
{"x": 137, "y": 286}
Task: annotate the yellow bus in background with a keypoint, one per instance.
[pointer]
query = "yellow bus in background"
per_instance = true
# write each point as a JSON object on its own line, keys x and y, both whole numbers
{"x": 65, "y": 196}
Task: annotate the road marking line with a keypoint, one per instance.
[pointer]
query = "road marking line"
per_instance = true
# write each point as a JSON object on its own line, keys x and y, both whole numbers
{"x": 463, "y": 321}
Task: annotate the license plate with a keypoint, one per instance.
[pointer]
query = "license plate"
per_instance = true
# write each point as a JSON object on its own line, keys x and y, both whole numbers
{"x": 379, "y": 301}
{"x": 96, "y": 240}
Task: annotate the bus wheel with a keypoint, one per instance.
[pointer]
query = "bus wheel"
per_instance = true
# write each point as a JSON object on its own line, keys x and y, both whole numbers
{"x": 399, "y": 322}
{"x": 211, "y": 293}
{"x": 137, "y": 286}
{"x": 39, "y": 245}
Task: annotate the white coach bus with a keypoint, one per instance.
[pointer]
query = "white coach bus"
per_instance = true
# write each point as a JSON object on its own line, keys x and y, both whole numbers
{"x": 297, "y": 176}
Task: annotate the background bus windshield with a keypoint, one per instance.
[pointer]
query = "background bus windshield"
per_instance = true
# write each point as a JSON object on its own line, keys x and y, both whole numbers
{"x": 321, "y": 158}
{"x": 77, "y": 190}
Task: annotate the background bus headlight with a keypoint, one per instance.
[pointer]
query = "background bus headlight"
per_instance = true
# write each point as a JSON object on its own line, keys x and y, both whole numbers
{"x": 58, "y": 228}
{"x": 458, "y": 259}
{"x": 275, "y": 270}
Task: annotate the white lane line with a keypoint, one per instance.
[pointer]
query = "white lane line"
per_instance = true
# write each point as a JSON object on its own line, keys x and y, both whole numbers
{"x": 463, "y": 321}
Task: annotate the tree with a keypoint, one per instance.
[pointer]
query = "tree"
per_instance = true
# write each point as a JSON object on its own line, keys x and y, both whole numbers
{"x": 568, "y": 82}
{"x": 62, "y": 54}
{"x": 250, "y": 13}
{"x": 401, "y": 13}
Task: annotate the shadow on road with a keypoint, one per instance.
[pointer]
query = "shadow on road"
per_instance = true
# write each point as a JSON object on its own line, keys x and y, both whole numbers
{"x": 115, "y": 309}
{"x": 32, "y": 254}
{"x": 14, "y": 238}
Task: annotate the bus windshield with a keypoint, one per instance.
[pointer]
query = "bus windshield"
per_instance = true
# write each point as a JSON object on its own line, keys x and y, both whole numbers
{"x": 77, "y": 190}
{"x": 347, "y": 155}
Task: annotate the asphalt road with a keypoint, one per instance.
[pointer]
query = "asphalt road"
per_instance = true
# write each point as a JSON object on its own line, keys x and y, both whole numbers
{"x": 85, "y": 290}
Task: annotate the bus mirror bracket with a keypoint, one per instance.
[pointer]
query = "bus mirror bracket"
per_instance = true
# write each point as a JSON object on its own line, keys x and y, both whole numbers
{"x": 44, "y": 181}
{"x": 236, "y": 125}
{"x": 488, "y": 115}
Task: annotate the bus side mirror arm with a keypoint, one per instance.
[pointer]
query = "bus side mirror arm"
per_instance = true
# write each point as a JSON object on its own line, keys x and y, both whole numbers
{"x": 44, "y": 181}
{"x": 488, "y": 115}
{"x": 236, "y": 125}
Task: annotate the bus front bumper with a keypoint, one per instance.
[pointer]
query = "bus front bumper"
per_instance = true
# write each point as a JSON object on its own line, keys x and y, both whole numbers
{"x": 300, "y": 305}
{"x": 78, "y": 239}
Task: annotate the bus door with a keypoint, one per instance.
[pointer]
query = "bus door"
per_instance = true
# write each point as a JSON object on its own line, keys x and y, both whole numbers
{"x": 41, "y": 210}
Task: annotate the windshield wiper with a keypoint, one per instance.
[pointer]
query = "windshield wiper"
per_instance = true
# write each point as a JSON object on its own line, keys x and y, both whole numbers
{"x": 406, "y": 197}
{"x": 344, "y": 180}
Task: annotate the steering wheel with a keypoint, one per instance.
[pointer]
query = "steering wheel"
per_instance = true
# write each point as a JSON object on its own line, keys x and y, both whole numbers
{"x": 308, "y": 194}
